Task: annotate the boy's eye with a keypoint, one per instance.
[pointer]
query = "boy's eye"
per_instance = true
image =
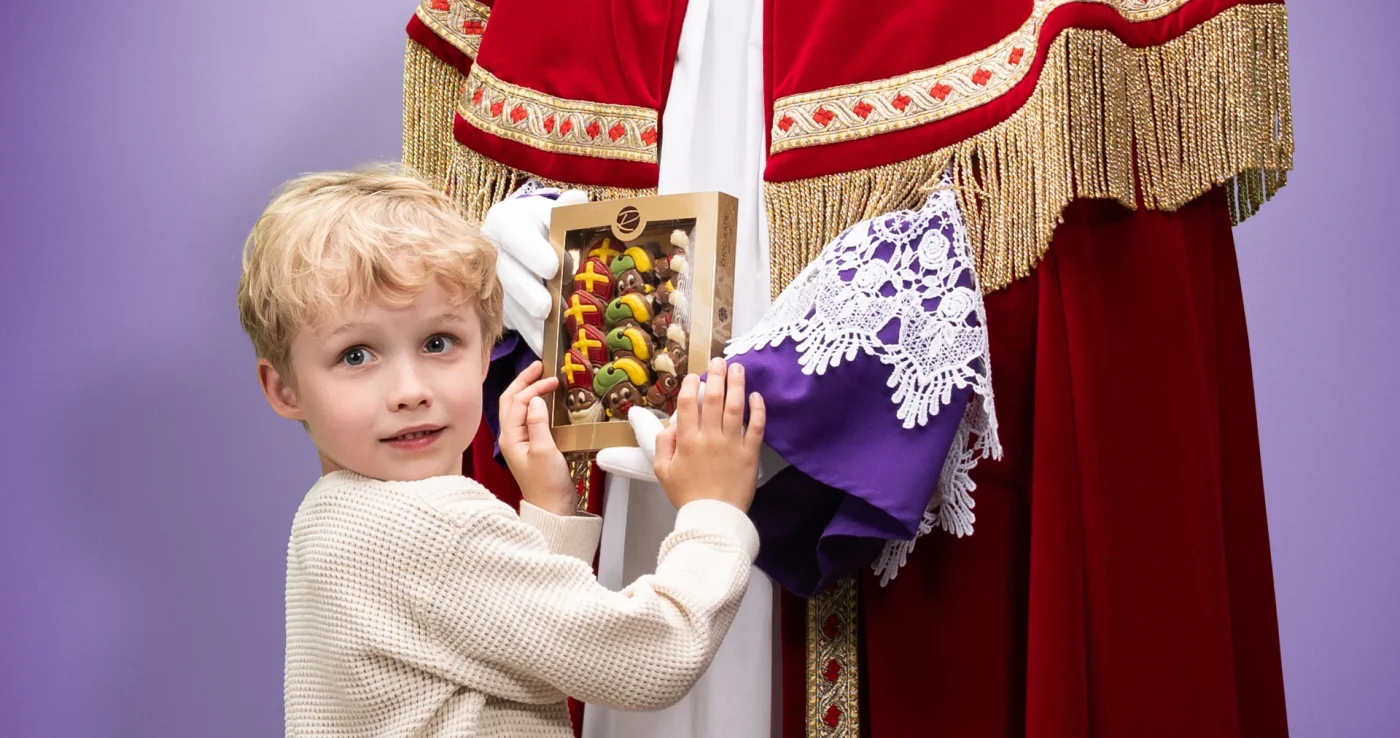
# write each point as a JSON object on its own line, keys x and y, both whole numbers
{"x": 356, "y": 356}
{"x": 439, "y": 343}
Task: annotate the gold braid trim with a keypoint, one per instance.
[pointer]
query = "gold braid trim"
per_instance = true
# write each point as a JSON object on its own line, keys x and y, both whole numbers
{"x": 431, "y": 87}
{"x": 1209, "y": 108}
{"x": 833, "y": 676}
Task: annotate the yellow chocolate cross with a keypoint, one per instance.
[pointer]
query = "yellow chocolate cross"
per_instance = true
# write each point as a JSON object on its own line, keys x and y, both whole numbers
{"x": 590, "y": 277}
{"x": 584, "y": 343}
{"x": 577, "y": 309}
{"x": 605, "y": 251}
{"x": 571, "y": 368}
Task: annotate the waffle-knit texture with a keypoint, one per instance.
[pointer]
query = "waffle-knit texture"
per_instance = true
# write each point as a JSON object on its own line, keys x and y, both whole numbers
{"x": 430, "y": 608}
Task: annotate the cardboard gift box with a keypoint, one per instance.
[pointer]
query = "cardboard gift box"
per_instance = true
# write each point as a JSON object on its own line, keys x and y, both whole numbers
{"x": 644, "y": 297}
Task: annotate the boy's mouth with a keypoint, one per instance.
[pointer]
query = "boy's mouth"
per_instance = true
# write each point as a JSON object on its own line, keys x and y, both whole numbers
{"x": 414, "y": 438}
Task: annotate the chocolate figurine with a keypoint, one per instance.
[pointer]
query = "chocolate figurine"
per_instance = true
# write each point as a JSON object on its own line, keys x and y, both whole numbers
{"x": 620, "y": 385}
{"x": 630, "y": 341}
{"x": 679, "y": 263}
{"x": 583, "y": 405}
{"x": 604, "y": 249}
{"x": 676, "y": 342}
{"x": 595, "y": 278}
{"x": 633, "y": 271}
{"x": 661, "y": 394}
{"x": 633, "y": 309}
{"x": 663, "y": 293}
{"x": 577, "y": 370}
{"x": 592, "y": 344}
{"x": 660, "y": 322}
{"x": 581, "y": 309}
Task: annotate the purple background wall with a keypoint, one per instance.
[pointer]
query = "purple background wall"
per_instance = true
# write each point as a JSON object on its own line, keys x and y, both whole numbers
{"x": 146, "y": 491}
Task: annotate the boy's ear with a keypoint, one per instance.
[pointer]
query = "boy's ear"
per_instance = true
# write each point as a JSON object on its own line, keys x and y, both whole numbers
{"x": 279, "y": 392}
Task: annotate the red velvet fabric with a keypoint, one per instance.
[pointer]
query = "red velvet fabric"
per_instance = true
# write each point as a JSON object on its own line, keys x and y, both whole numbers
{"x": 1119, "y": 582}
{"x": 480, "y": 464}
{"x": 811, "y": 46}
{"x": 618, "y": 52}
{"x": 425, "y": 37}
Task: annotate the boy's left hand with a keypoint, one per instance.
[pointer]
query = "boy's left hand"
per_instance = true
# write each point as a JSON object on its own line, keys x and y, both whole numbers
{"x": 528, "y": 447}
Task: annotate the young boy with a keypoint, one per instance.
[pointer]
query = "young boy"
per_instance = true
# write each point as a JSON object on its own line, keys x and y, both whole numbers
{"x": 417, "y": 603}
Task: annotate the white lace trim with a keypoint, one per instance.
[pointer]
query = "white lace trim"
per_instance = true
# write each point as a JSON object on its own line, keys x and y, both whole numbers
{"x": 835, "y": 310}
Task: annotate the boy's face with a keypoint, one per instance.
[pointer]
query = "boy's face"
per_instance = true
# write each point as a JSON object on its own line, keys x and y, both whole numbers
{"x": 392, "y": 393}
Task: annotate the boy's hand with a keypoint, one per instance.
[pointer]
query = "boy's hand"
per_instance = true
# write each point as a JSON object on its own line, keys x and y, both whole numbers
{"x": 707, "y": 454}
{"x": 539, "y": 468}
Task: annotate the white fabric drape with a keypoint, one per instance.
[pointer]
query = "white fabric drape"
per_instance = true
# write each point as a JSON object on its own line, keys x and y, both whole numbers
{"x": 713, "y": 130}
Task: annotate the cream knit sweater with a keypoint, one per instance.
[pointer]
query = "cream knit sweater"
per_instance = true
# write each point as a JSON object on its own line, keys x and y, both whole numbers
{"x": 431, "y": 609}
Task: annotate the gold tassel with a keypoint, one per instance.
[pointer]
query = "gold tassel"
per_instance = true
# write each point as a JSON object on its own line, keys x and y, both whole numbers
{"x": 430, "y": 91}
{"x": 1210, "y": 108}
{"x": 477, "y": 183}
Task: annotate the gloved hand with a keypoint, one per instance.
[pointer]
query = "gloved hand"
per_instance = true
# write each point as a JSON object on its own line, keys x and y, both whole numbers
{"x": 519, "y": 228}
{"x": 639, "y": 463}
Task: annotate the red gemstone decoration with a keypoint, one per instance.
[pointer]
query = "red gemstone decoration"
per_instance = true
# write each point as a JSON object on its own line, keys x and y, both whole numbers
{"x": 476, "y": 96}
{"x": 497, "y": 107}
{"x": 833, "y": 670}
{"x": 549, "y": 124}
{"x": 829, "y": 627}
{"x": 832, "y": 717}
{"x": 593, "y": 129}
{"x": 566, "y": 126}
{"x": 1016, "y": 55}
{"x": 518, "y": 113}
{"x": 863, "y": 109}
{"x": 981, "y": 76}
{"x": 442, "y": 5}
{"x": 649, "y": 136}
{"x": 617, "y": 131}
{"x": 823, "y": 117}
{"x": 901, "y": 102}
{"x": 940, "y": 91}
{"x": 785, "y": 123}
{"x": 473, "y": 28}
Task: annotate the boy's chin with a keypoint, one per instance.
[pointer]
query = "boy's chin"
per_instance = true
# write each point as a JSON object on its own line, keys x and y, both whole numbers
{"x": 409, "y": 470}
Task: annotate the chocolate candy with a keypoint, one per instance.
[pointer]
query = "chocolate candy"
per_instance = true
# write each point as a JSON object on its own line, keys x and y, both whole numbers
{"x": 619, "y": 383}
{"x": 679, "y": 263}
{"x": 577, "y": 370}
{"x": 663, "y": 293}
{"x": 592, "y": 344}
{"x": 676, "y": 343}
{"x": 660, "y": 322}
{"x": 595, "y": 278}
{"x": 633, "y": 309}
{"x": 632, "y": 282}
{"x": 583, "y": 405}
{"x": 626, "y": 369}
{"x": 630, "y": 341}
{"x": 604, "y": 249}
{"x": 620, "y": 399}
{"x": 661, "y": 394}
{"x": 581, "y": 309}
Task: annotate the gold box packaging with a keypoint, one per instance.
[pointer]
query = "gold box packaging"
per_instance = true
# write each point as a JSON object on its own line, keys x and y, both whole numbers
{"x": 644, "y": 296}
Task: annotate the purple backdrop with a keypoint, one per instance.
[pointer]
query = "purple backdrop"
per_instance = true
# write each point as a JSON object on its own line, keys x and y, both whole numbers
{"x": 148, "y": 491}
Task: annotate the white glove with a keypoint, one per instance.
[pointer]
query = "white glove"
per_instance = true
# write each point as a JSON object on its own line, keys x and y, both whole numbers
{"x": 639, "y": 463}
{"x": 519, "y": 228}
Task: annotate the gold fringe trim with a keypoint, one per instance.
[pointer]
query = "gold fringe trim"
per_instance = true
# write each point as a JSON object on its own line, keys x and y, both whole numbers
{"x": 1168, "y": 123}
{"x": 430, "y": 91}
{"x": 477, "y": 183}
{"x": 431, "y": 88}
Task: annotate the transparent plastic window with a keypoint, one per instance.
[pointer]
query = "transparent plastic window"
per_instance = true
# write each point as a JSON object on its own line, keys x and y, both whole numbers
{"x": 625, "y": 320}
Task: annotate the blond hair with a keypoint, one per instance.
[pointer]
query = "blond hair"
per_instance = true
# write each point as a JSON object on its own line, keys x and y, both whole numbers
{"x": 336, "y": 239}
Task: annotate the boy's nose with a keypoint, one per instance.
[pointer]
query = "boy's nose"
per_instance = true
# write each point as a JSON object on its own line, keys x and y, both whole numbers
{"x": 409, "y": 391}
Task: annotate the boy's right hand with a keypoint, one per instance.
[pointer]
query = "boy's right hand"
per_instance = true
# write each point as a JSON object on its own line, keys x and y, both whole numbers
{"x": 707, "y": 454}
